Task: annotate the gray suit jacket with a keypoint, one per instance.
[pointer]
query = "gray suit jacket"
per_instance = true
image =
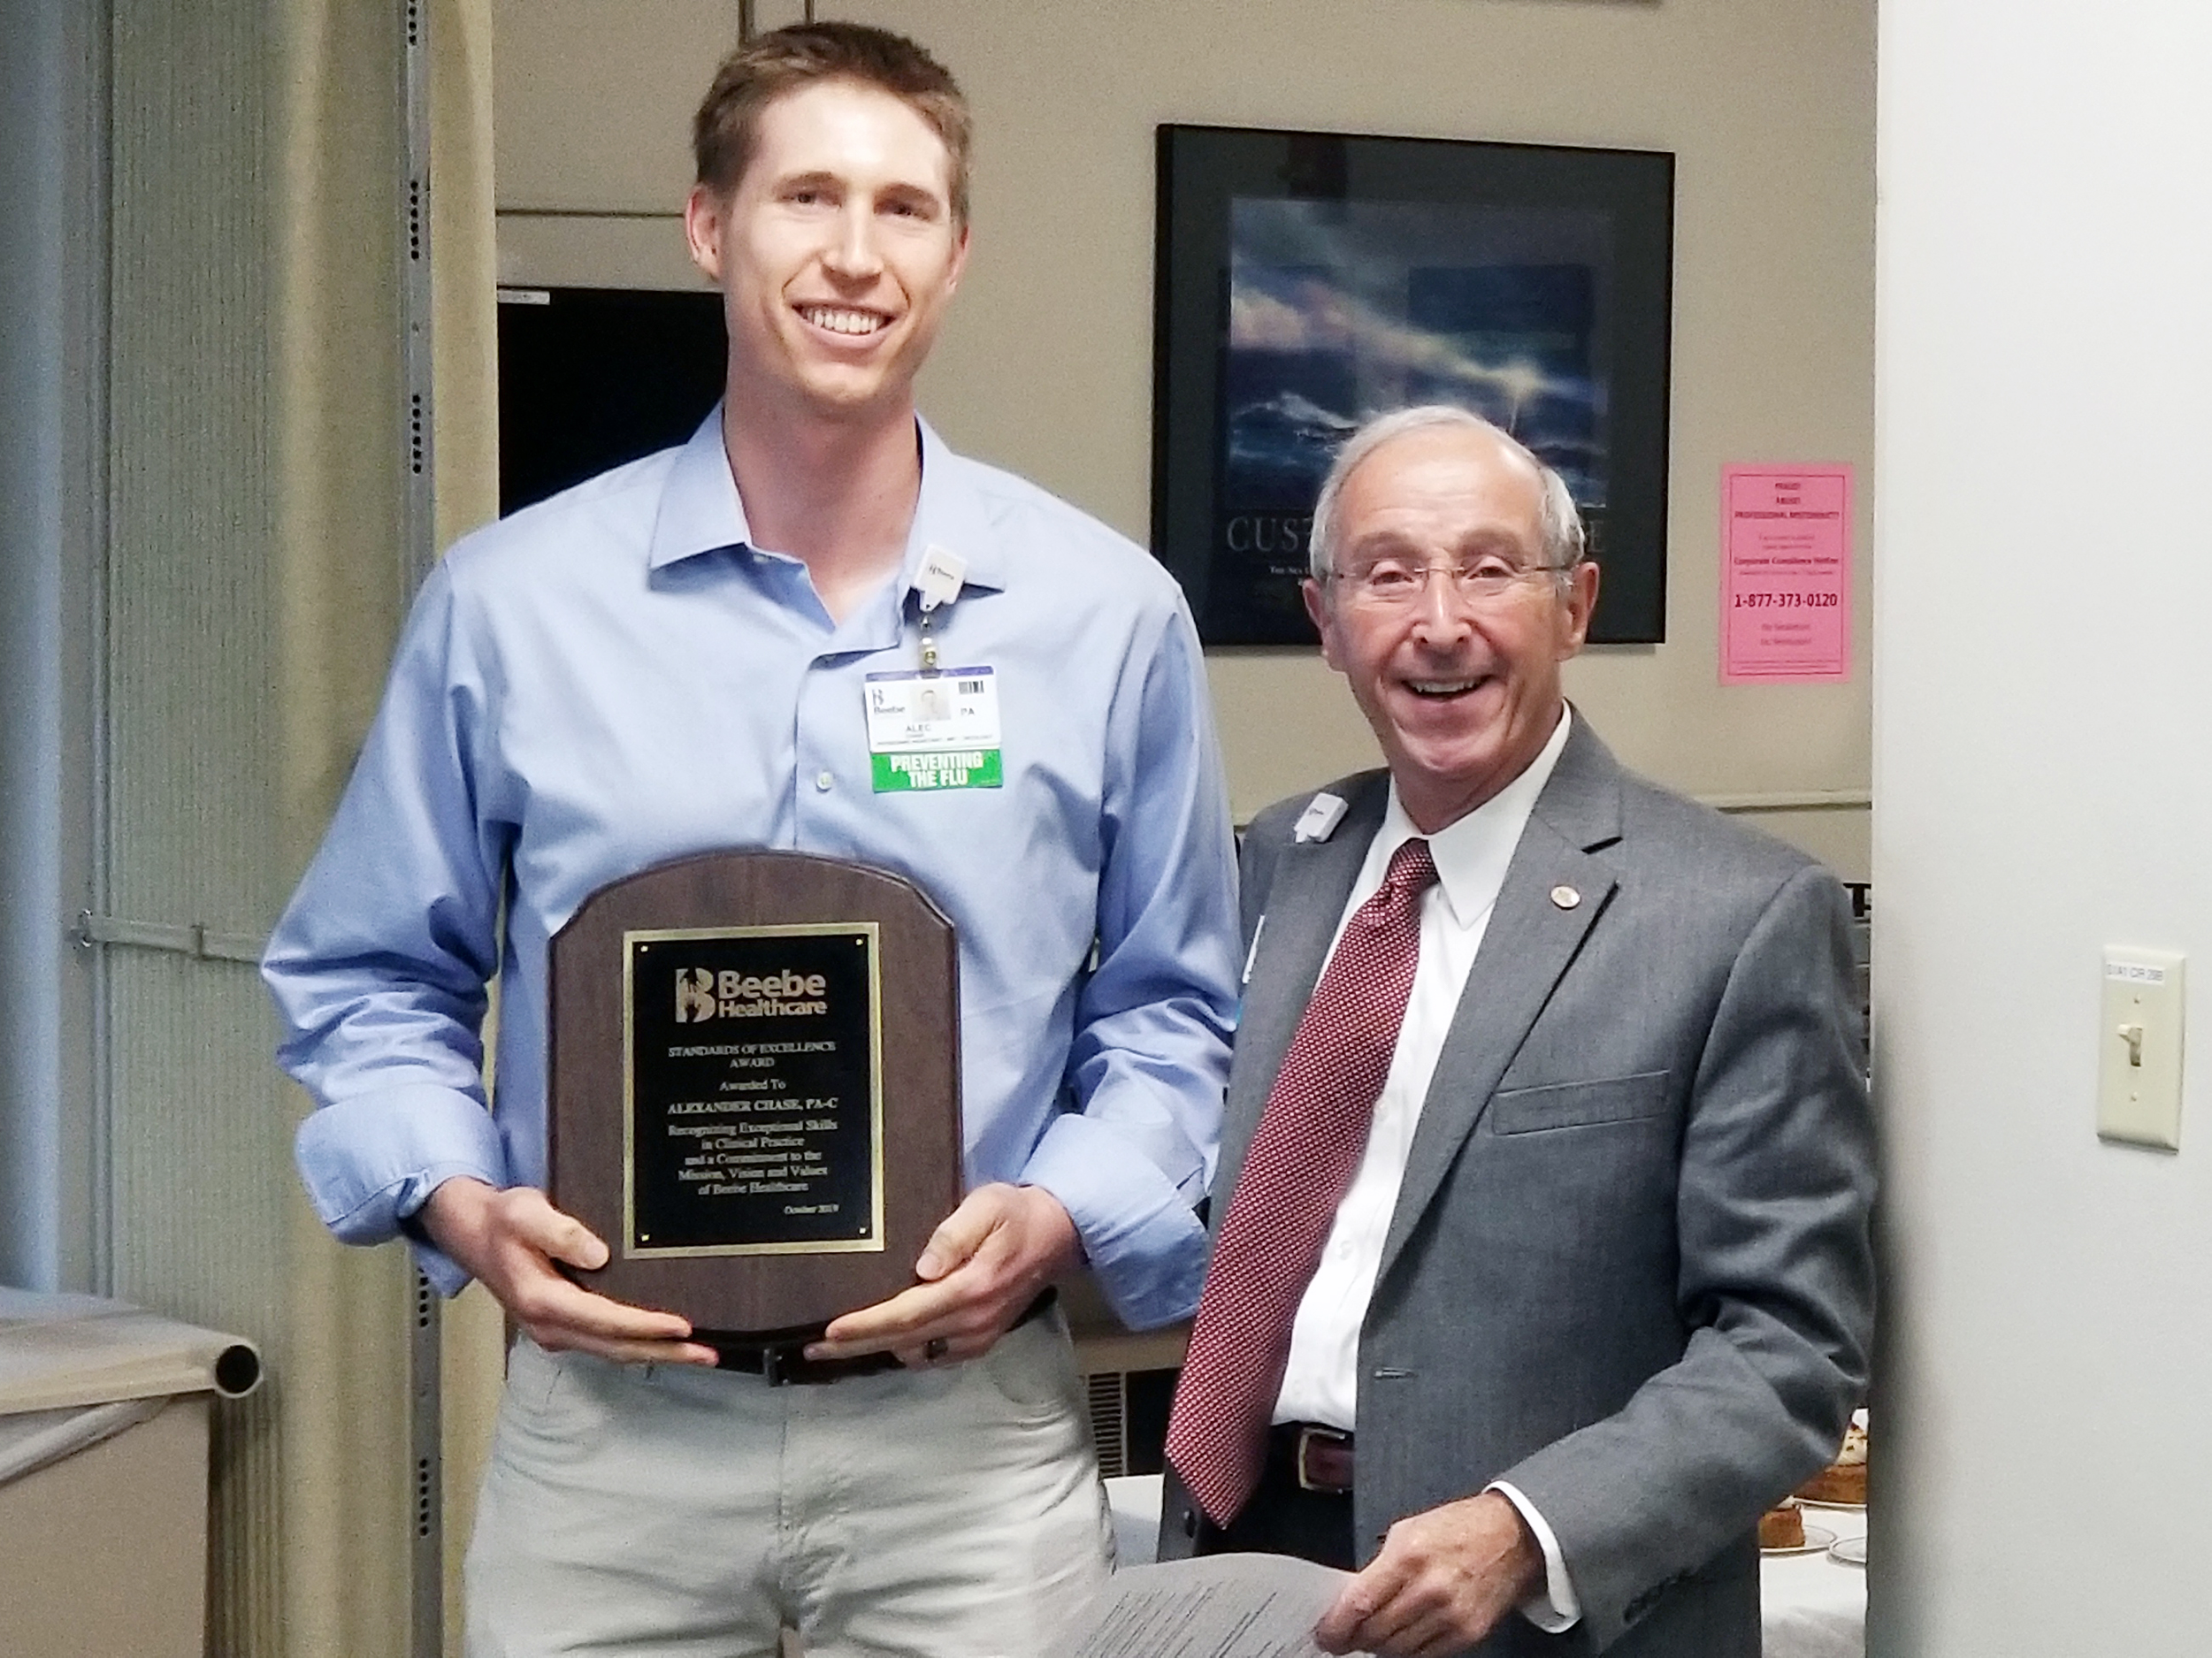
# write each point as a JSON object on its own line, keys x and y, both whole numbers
{"x": 1629, "y": 1269}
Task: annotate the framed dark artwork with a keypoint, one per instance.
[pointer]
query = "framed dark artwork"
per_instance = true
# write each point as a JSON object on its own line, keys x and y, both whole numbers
{"x": 1307, "y": 280}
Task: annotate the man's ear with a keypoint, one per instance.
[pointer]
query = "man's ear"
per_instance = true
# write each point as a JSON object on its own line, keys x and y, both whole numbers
{"x": 959, "y": 262}
{"x": 703, "y": 218}
{"x": 1579, "y": 602}
{"x": 1324, "y": 623}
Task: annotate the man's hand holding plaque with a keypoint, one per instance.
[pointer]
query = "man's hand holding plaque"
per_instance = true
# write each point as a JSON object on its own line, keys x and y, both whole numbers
{"x": 984, "y": 1268}
{"x": 510, "y": 1243}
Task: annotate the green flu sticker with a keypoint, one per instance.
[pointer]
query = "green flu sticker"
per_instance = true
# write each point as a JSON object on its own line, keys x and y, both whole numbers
{"x": 919, "y": 771}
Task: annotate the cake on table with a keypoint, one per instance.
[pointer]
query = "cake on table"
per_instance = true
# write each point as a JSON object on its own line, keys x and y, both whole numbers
{"x": 1843, "y": 1480}
{"x": 1783, "y": 1527}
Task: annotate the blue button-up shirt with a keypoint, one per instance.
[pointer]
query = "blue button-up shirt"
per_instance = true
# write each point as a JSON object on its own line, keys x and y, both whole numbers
{"x": 616, "y": 677}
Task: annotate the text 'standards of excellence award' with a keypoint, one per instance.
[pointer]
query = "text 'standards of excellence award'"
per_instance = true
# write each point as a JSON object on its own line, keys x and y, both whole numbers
{"x": 754, "y": 1089}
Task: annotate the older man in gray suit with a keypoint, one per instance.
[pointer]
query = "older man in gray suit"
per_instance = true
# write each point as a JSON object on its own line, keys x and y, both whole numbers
{"x": 1541, "y": 1263}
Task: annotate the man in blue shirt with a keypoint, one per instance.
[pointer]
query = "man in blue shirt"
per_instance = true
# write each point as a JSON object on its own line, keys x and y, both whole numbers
{"x": 671, "y": 659}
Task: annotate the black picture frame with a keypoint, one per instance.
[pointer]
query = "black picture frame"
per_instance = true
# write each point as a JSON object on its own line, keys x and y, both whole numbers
{"x": 1304, "y": 281}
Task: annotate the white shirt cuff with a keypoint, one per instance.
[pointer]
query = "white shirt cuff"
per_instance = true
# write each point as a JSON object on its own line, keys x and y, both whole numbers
{"x": 1558, "y": 1609}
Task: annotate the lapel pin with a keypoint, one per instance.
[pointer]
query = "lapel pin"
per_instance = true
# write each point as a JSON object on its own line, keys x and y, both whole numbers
{"x": 1565, "y": 896}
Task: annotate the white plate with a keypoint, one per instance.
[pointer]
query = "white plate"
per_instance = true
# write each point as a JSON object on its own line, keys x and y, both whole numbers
{"x": 1848, "y": 1507}
{"x": 1818, "y": 1541}
{"x": 1850, "y": 1552}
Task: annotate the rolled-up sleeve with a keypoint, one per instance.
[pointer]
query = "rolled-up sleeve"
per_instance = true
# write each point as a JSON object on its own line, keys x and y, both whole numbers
{"x": 1150, "y": 1057}
{"x": 380, "y": 966}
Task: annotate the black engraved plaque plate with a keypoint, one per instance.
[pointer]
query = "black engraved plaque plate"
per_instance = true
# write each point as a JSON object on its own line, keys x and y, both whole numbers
{"x": 753, "y": 1059}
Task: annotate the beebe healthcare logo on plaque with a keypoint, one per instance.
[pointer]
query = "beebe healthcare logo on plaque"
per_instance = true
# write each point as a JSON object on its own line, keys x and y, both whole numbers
{"x": 754, "y": 1111}
{"x": 753, "y": 1086}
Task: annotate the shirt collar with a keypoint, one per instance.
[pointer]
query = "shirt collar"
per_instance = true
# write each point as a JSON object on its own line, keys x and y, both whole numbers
{"x": 1471, "y": 854}
{"x": 701, "y": 511}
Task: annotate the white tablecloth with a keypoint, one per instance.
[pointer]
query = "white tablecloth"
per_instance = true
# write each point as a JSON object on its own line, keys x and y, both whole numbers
{"x": 1810, "y": 1606}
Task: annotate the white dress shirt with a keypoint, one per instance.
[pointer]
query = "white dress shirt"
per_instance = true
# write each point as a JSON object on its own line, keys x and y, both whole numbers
{"x": 1321, "y": 1381}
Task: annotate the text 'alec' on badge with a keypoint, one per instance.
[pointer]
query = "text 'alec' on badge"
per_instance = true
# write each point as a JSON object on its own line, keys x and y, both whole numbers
{"x": 934, "y": 730}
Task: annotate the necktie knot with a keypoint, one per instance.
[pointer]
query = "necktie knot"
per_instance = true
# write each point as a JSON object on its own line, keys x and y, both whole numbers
{"x": 1412, "y": 872}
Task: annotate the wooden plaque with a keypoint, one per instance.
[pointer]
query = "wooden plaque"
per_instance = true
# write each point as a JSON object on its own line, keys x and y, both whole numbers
{"x": 754, "y": 1085}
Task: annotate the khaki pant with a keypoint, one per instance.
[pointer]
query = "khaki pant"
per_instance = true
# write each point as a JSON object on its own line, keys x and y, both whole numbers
{"x": 668, "y": 1512}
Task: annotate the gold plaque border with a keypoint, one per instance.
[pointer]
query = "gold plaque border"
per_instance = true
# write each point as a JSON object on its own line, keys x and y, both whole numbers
{"x": 873, "y": 1244}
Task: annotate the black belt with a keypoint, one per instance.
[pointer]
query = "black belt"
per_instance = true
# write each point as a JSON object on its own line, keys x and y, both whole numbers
{"x": 782, "y": 1358}
{"x": 1320, "y": 1457}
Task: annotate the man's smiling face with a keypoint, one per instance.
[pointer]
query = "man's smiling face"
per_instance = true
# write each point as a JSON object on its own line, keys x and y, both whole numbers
{"x": 1462, "y": 695}
{"x": 835, "y": 253}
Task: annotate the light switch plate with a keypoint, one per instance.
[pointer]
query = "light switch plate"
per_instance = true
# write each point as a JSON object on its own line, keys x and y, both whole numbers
{"x": 2138, "y": 1053}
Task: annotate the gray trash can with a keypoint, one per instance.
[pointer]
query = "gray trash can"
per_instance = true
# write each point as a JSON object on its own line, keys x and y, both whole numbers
{"x": 103, "y": 1468}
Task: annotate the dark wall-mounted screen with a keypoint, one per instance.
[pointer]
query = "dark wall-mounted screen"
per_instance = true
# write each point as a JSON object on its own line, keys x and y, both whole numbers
{"x": 590, "y": 377}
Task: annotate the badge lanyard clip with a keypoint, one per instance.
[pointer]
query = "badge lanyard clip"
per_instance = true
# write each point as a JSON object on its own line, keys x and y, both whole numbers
{"x": 938, "y": 583}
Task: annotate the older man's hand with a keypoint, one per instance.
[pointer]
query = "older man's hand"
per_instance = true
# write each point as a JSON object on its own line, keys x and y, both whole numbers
{"x": 1442, "y": 1579}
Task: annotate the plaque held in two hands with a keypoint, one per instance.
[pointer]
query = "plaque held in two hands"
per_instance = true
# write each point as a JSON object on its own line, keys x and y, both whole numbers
{"x": 753, "y": 1086}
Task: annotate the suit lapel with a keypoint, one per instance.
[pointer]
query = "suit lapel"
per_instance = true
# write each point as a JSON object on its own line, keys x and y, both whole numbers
{"x": 1528, "y": 946}
{"x": 1304, "y": 901}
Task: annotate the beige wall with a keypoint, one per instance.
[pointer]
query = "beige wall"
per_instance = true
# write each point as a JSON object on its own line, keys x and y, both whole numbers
{"x": 1046, "y": 365}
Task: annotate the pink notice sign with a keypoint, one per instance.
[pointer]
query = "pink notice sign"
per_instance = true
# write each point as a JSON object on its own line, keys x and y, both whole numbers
{"x": 1785, "y": 574}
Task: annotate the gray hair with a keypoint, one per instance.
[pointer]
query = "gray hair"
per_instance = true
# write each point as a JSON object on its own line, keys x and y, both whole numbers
{"x": 1558, "y": 521}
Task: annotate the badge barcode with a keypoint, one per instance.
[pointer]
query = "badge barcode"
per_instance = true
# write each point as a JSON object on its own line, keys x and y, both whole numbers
{"x": 971, "y": 687}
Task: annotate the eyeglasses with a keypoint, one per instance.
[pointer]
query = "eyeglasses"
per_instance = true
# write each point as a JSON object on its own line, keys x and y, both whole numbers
{"x": 1390, "y": 583}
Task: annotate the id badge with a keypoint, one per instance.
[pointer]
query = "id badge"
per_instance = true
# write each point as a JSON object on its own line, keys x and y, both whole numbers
{"x": 934, "y": 730}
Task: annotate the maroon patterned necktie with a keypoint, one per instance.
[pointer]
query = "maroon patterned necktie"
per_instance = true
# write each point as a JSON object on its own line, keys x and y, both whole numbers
{"x": 1302, "y": 1158}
